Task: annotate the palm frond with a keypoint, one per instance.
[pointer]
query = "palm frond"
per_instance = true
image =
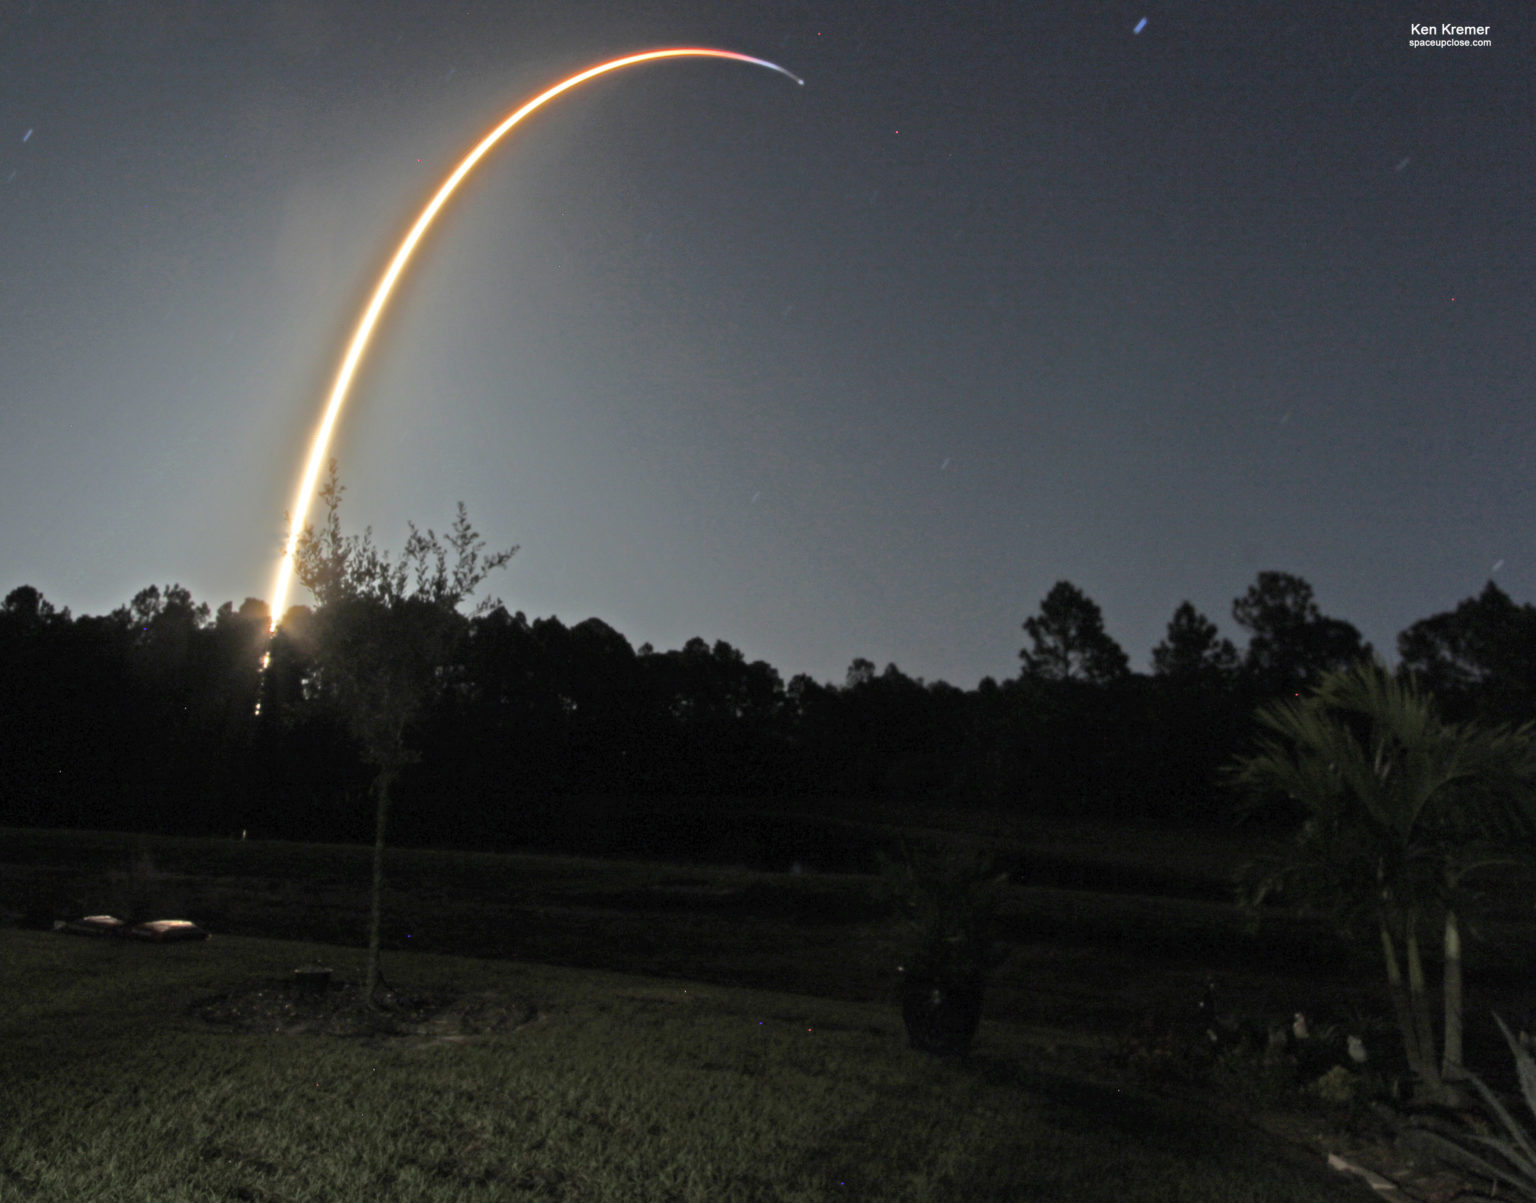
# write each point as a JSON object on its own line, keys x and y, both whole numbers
{"x": 1515, "y": 1165}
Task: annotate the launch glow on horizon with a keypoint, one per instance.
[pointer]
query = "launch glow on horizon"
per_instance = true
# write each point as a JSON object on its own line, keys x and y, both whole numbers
{"x": 365, "y": 326}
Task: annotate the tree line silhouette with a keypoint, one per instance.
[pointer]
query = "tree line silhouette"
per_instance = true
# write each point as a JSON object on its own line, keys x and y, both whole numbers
{"x": 158, "y": 717}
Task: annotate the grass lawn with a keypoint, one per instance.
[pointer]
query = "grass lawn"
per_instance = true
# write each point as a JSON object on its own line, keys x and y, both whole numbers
{"x": 589, "y": 1029}
{"x": 603, "y": 1087}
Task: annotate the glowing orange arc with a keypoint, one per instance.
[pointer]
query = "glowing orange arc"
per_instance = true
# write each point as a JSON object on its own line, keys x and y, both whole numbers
{"x": 369, "y": 320}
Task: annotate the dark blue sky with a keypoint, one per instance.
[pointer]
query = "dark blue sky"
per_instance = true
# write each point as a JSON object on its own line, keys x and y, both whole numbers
{"x": 1005, "y": 294}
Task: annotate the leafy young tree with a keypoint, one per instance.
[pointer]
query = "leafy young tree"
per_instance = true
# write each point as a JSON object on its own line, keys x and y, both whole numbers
{"x": 385, "y": 631}
{"x": 1401, "y": 811}
{"x": 1291, "y": 643}
{"x": 1069, "y": 642}
{"x": 1191, "y": 651}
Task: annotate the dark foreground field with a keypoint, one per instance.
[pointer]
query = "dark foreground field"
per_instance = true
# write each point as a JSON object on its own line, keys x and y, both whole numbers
{"x": 583, "y": 1029}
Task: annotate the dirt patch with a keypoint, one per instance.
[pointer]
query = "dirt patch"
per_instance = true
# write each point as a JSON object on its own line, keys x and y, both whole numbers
{"x": 277, "y": 1007}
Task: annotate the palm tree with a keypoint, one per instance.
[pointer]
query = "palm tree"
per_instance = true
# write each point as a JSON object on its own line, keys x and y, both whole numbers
{"x": 1401, "y": 811}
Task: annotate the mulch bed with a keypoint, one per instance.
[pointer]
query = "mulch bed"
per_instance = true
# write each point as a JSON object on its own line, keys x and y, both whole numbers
{"x": 1414, "y": 1176}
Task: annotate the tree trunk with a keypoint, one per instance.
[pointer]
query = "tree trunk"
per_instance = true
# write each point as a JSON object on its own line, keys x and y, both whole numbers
{"x": 382, "y": 785}
{"x": 1401, "y": 1007}
{"x": 1452, "y": 1068}
{"x": 1428, "y": 1068}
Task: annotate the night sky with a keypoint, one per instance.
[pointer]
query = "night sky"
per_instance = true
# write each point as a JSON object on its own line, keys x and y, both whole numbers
{"x": 1006, "y": 294}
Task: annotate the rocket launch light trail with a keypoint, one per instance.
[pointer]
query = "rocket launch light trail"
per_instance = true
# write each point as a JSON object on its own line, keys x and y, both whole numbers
{"x": 375, "y": 307}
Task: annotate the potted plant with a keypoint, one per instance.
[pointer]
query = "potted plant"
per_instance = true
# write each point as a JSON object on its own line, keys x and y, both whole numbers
{"x": 948, "y": 902}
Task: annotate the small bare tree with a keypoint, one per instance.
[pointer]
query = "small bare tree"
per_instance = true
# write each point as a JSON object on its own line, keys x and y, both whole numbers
{"x": 386, "y": 632}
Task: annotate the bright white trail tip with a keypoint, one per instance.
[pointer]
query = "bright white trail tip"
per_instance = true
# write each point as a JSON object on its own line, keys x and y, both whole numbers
{"x": 375, "y": 307}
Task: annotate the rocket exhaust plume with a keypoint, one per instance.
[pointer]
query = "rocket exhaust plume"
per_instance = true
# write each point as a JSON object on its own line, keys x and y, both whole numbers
{"x": 365, "y": 326}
